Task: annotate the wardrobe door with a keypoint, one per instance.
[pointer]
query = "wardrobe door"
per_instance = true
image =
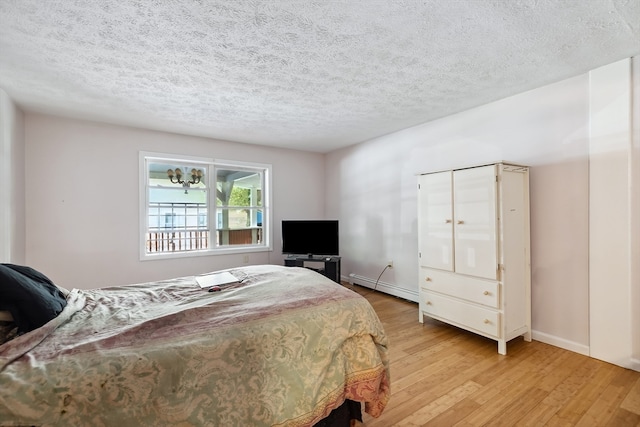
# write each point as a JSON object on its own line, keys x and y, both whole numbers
{"x": 475, "y": 221}
{"x": 435, "y": 218}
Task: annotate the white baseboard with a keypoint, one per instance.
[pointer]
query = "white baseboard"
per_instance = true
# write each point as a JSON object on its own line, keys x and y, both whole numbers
{"x": 579, "y": 348}
{"x": 560, "y": 342}
{"x": 387, "y": 288}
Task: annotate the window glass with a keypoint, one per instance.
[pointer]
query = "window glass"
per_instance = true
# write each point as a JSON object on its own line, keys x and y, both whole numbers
{"x": 180, "y": 214}
{"x": 177, "y": 207}
{"x": 239, "y": 206}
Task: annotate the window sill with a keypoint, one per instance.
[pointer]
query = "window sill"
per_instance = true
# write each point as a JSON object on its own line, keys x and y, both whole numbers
{"x": 240, "y": 249}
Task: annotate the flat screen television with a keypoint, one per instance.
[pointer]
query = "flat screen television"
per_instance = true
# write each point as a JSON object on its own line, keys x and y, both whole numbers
{"x": 310, "y": 237}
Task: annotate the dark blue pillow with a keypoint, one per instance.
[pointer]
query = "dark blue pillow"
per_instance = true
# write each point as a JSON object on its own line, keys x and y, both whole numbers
{"x": 30, "y": 296}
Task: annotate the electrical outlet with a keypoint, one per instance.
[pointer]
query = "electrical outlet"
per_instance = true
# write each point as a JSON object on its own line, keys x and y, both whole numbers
{"x": 390, "y": 264}
{"x": 245, "y": 259}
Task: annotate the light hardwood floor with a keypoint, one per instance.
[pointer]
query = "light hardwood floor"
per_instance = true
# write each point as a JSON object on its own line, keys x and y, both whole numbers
{"x": 445, "y": 376}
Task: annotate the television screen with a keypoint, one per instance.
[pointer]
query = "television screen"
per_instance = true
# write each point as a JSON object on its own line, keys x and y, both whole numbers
{"x": 310, "y": 237}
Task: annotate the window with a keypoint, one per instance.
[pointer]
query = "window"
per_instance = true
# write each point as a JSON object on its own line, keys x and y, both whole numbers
{"x": 193, "y": 206}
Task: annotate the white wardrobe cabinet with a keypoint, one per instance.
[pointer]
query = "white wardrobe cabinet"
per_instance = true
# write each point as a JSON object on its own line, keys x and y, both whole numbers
{"x": 474, "y": 251}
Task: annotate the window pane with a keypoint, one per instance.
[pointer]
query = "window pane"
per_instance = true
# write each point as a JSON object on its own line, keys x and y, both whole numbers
{"x": 239, "y": 227}
{"x": 177, "y": 175}
{"x": 238, "y": 187}
{"x": 177, "y": 209}
{"x": 177, "y": 227}
{"x": 239, "y": 196}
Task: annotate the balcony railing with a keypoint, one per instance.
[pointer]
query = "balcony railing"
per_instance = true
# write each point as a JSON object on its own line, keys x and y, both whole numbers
{"x": 177, "y": 241}
{"x": 181, "y": 227}
{"x": 184, "y": 241}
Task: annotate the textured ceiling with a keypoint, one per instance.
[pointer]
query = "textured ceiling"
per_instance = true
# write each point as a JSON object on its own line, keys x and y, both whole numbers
{"x": 313, "y": 75}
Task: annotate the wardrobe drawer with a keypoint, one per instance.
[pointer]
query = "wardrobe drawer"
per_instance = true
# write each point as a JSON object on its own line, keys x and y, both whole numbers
{"x": 472, "y": 289}
{"x": 460, "y": 313}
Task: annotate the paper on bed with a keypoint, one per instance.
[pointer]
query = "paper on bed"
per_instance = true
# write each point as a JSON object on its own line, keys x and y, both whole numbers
{"x": 216, "y": 279}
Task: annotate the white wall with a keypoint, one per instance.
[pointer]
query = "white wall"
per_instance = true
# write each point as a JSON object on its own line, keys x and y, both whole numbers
{"x": 635, "y": 212}
{"x": 12, "y": 187}
{"x": 82, "y": 199}
{"x": 611, "y": 229}
{"x": 547, "y": 129}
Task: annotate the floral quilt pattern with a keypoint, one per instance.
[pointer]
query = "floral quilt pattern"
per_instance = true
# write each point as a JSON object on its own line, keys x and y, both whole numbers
{"x": 282, "y": 348}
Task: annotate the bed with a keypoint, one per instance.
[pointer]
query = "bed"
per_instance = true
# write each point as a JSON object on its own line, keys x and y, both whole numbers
{"x": 284, "y": 347}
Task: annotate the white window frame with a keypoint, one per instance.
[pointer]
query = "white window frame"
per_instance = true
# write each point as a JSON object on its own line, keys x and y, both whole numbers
{"x": 211, "y": 165}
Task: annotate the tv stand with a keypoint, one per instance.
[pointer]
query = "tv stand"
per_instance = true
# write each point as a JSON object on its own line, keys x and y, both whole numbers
{"x": 330, "y": 268}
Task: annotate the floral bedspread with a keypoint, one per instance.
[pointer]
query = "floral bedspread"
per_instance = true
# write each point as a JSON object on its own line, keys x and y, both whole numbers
{"x": 284, "y": 348}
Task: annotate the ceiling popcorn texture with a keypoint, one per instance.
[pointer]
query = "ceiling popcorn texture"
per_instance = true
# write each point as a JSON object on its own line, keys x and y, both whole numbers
{"x": 310, "y": 75}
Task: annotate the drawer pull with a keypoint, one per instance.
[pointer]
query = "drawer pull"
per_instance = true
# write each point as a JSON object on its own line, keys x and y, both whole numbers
{"x": 447, "y": 221}
{"x": 428, "y": 302}
{"x": 487, "y": 321}
{"x": 486, "y": 293}
{"x": 427, "y": 279}
{"x": 460, "y": 221}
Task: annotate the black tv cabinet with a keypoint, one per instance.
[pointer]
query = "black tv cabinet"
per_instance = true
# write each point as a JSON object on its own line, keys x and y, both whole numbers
{"x": 330, "y": 268}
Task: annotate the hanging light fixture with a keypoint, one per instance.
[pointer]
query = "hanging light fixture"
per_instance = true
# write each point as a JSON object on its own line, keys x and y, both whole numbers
{"x": 196, "y": 176}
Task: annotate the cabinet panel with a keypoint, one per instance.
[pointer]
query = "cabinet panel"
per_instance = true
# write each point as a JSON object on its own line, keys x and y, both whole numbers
{"x": 435, "y": 218}
{"x": 472, "y": 289}
{"x": 466, "y": 315}
{"x": 475, "y": 235}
